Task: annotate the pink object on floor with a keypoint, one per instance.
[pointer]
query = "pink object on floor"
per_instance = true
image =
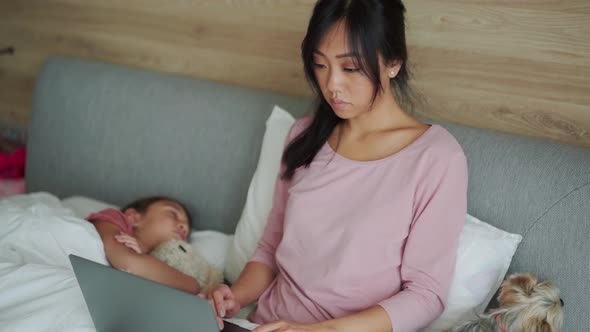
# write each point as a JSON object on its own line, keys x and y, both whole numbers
{"x": 11, "y": 187}
{"x": 12, "y": 165}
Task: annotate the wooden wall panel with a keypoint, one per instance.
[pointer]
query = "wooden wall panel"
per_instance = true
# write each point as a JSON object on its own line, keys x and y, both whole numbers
{"x": 250, "y": 43}
{"x": 513, "y": 66}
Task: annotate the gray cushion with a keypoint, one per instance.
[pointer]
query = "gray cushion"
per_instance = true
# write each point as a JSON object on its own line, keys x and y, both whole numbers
{"x": 541, "y": 190}
{"x": 116, "y": 134}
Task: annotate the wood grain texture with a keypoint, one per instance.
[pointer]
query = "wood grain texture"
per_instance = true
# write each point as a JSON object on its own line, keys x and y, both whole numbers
{"x": 513, "y": 66}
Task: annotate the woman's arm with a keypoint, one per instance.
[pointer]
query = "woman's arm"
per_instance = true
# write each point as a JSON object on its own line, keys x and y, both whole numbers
{"x": 253, "y": 281}
{"x": 374, "y": 319}
{"x": 261, "y": 269}
{"x": 145, "y": 266}
{"x": 429, "y": 254}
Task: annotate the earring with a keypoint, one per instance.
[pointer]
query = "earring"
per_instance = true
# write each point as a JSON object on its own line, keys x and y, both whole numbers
{"x": 392, "y": 74}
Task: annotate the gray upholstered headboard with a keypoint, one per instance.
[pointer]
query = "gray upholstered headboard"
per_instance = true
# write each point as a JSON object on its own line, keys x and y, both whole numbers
{"x": 115, "y": 134}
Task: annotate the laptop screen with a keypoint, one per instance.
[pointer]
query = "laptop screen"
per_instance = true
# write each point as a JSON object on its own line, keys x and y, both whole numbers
{"x": 119, "y": 301}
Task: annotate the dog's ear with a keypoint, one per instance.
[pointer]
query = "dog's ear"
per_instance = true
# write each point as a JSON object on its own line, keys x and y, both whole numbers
{"x": 525, "y": 281}
{"x": 536, "y": 326}
{"x": 544, "y": 327}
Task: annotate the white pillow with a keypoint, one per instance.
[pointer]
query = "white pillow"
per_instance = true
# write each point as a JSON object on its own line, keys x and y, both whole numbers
{"x": 84, "y": 206}
{"x": 212, "y": 245}
{"x": 260, "y": 193}
{"x": 483, "y": 257}
{"x": 484, "y": 252}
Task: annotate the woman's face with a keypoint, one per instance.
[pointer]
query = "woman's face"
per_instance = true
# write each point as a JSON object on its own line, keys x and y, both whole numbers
{"x": 343, "y": 84}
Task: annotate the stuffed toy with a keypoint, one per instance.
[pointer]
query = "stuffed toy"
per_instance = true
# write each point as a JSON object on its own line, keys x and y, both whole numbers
{"x": 181, "y": 256}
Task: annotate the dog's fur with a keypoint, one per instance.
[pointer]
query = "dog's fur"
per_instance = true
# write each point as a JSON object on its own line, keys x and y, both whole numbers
{"x": 526, "y": 305}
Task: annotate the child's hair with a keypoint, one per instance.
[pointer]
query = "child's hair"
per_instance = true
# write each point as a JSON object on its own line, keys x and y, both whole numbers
{"x": 141, "y": 205}
{"x": 374, "y": 28}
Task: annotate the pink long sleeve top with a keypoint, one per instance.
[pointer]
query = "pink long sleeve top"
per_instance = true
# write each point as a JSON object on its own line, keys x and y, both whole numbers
{"x": 345, "y": 235}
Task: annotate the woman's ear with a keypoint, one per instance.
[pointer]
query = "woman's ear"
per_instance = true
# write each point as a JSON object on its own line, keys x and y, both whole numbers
{"x": 133, "y": 216}
{"x": 393, "y": 67}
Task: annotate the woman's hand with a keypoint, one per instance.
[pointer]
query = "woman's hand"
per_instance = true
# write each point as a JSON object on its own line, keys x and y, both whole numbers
{"x": 286, "y": 326}
{"x": 130, "y": 242}
{"x": 224, "y": 303}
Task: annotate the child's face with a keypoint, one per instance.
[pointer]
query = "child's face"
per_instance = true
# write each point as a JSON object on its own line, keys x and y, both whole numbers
{"x": 162, "y": 221}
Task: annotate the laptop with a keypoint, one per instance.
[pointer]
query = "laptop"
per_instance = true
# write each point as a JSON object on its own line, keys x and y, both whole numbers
{"x": 119, "y": 301}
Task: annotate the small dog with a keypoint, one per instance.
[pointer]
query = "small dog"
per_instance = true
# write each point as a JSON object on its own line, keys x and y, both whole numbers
{"x": 525, "y": 306}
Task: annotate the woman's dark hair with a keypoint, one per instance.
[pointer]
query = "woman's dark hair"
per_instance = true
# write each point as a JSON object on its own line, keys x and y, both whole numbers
{"x": 142, "y": 205}
{"x": 373, "y": 27}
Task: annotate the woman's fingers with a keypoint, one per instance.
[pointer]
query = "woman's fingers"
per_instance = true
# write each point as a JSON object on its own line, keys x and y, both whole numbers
{"x": 212, "y": 302}
{"x": 217, "y": 317}
{"x": 231, "y": 306}
{"x": 219, "y": 299}
{"x": 222, "y": 301}
{"x": 219, "y": 322}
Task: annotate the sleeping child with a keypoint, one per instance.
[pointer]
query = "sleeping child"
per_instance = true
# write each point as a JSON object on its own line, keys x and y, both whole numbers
{"x": 131, "y": 233}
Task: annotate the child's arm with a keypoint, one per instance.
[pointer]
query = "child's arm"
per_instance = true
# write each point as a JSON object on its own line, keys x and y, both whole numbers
{"x": 123, "y": 258}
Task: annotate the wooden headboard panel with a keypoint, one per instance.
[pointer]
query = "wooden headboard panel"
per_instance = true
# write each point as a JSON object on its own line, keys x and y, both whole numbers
{"x": 512, "y": 66}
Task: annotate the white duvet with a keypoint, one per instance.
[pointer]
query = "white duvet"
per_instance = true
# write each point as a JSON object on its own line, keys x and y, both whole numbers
{"x": 38, "y": 289}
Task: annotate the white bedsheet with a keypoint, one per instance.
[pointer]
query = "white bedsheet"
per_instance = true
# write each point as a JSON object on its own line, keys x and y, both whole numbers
{"x": 38, "y": 289}
{"x": 38, "y": 297}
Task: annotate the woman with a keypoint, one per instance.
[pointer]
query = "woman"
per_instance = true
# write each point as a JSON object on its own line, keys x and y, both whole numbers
{"x": 370, "y": 201}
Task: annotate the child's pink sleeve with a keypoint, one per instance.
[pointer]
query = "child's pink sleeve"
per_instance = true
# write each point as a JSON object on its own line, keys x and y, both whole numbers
{"x": 114, "y": 216}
